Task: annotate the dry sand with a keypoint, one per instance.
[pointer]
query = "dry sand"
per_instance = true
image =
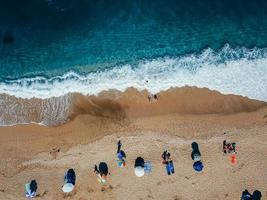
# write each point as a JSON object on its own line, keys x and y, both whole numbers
{"x": 173, "y": 122}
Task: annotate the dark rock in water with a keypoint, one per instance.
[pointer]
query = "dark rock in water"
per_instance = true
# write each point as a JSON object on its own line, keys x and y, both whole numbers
{"x": 8, "y": 39}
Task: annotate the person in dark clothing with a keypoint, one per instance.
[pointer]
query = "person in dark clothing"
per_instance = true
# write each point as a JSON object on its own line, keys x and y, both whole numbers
{"x": 256, "y": 195}
{"x": 33, "y": 186}
{"x": 31, "y": 189}
{"x": 166, "y": 156}
{"x": 196, "y": 157}
{"x": 121, "y": 155}
{"x": 69, "y": 181}
{"x": 139, "y": 162}
{"x": 103, "y": 168}
{"x": 195, "y": 151}
{"x": 70, "y": 177}
{"x": 246, "y": 195}
{"x": 102, "y": 171}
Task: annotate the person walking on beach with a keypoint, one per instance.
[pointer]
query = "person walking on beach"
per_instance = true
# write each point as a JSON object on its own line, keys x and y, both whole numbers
{"x": 31, "y": 189}
{"x": 121, "y": 156}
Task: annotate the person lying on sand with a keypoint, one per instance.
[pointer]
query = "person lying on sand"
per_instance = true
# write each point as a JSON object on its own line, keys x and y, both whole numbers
{"x": 166, "y": 156}
{"x": 102, "y": 172}
{"x": 31, "y": 189}
{"x": 247, "y": 196}
{"x": 196, "y": 157}
{"x": 69, "y": 180}
{"x": 139, "y": 167}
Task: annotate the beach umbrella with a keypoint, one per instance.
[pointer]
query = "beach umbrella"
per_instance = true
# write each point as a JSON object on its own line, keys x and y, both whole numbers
{"x": 198, "y": 166}
{"x": 139, "y": 171}
{"x": 68, "y": 187}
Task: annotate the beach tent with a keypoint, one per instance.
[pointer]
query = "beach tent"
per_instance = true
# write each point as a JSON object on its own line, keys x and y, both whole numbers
{"x": 68, "y": 187}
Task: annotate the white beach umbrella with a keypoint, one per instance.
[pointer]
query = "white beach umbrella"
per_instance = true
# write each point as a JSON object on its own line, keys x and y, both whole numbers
{"x": 139, "y": 171}
{"x": 68, "y": 187}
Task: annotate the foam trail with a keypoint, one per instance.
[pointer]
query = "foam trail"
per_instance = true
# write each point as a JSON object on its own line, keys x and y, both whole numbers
{"x": 238, "y": 71}
{"x": 51, "y": 111}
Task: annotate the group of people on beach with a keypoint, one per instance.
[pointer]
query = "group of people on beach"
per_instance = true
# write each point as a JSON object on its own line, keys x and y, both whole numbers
{"x": 141, "y": 167}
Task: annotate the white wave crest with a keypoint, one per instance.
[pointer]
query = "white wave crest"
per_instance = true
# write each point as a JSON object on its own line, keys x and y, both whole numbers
{"x": 231, "y": 71}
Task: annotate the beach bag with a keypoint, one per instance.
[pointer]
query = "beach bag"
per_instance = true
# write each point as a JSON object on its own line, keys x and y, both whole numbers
{"x": 121, "y": 163}
{"x": 169, "y": 168}
{"x": 147, "y": 167}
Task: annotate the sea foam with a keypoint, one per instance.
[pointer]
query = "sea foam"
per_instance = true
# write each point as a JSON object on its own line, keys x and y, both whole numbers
{"x": 237, "y": 71}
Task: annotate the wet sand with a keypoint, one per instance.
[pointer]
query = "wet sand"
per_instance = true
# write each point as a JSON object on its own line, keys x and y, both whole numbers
{"x": 173, "y": 122}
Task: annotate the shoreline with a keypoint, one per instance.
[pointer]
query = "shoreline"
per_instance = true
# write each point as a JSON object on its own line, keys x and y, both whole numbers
{"x": 115, "y": 104}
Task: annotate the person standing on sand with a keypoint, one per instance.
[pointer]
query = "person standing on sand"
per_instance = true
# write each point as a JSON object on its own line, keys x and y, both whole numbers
{"x": 121, "y": 156}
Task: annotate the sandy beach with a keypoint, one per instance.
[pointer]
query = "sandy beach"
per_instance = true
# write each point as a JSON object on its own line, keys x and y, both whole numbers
{"x": 177, "y": 118}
